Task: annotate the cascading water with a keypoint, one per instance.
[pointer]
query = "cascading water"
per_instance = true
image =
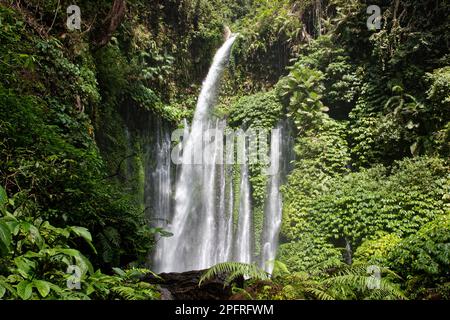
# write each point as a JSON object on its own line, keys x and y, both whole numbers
{"x": 159, "y": 184}
{"x": 273, "y": 206}
{"x": 243, "y": 243}
{"x": 195, "y": 221}
{"x": 212, "y": 223}
{"x": 228, "y": 244}
{"x": 281, "y": 157}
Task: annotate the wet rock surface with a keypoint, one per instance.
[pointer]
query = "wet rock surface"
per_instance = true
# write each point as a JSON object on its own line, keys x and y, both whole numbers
{"x": 184, "y": 286}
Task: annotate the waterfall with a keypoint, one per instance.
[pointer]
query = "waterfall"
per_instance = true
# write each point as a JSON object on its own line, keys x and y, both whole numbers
{"x": 244, "y": 232}
{"x": 229, "y": 218}
{"x": 211, "y": 217}
{"x": 159, "y": 183}
{"x": 273, "y": 206}
{"x": 196, "y": 220}
{"x": 281, "y": 156}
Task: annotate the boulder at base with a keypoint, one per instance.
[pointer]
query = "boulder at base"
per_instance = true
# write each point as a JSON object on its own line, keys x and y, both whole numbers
{"x": 184, "y": 286}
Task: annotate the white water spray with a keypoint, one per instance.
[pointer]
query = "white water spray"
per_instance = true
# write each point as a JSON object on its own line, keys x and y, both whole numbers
{"x": 207, "y": 227}
{"x": 196, "y": 220}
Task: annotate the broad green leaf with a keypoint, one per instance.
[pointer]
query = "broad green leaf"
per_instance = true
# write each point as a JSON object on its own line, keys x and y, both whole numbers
{"x": 24, "y": 266}
{"x": 25, "y": 289}
{"x": 42, "y": 286}
{"x": 5, "y": 285}
{"x": 119, "y": 271}
{"x": 13, "y": 226}
{"x": 3, "y": 200}
{"x": 80, "y": 259}
{"x": 85, "y": 234}
{"x": 5, "y": 238}
{"x": 60, "y": 231}
{"x": 84, "y": 263}
{"x": 82, "y": 232}
{"x": 2, "y": 291}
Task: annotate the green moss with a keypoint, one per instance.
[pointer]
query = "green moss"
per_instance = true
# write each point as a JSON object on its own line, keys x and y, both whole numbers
{"x": 306, "y": 253}
{"x": 258, "y": 224}
{"x": 138, "y": 181}
{"x": 377, "y": 250}
{"x": 261, "y": 110}
{"x": 237, "y": 193}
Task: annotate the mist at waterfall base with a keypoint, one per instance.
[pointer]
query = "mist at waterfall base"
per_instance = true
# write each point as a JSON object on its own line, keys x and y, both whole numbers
{"x": 198, "y": 204}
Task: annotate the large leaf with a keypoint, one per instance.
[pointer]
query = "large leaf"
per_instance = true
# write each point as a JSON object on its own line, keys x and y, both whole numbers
{"x": 59, "y": 231}
{"x": 5, "y": 286}
{"x": 82, "y": 232}
{"x": 24, "y": 266}
{"x": 3, "y": 200}
{"x": 119, "y": 271}
{"x": 85, "y": 234}
{"x": 32, "y": 233}
{"x": 25, "y": 289}
{"x": 42, "y": 286}
{"x": 2, "y": 291}
{"x": 80, "y": 259}
{"x": 5, "y": 238}
{"x": 84, "y": 263}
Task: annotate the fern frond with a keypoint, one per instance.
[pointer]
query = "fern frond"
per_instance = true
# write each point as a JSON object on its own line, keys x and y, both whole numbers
{"x": 361, "y": 283}
{"x": 234, "y": 270}
{"x": 319, "y": 294}
{"x": 127, "y": 293}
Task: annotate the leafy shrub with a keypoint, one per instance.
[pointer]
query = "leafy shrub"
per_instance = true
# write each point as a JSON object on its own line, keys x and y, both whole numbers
{"x": 261, "y": 110}
{"x": 423, "y": 259}
{"x": 306, "y": 253}
{"x": 376, "y": 251}
{"x": 35, "y": 255}
{"x": 358, "y": 205}
{"x": 321, "y": 154}
{"x": 51, "y": 164}
{"x": 303, "y": 87}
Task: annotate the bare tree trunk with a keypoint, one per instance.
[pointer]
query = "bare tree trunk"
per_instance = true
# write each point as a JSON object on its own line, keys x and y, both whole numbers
{"x": 111, "y": 23}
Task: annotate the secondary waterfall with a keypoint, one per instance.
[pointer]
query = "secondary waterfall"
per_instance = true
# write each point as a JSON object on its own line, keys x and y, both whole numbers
{"x": 244, "y": 232}
{"x": 273, "y": 206}
{"x": 210, "y": 208}
{"x": 159, "y": 185}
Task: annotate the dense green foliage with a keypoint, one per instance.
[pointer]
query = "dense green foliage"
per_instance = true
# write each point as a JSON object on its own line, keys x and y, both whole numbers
{"x": 39, "y": 262}
{"x": 370, "y": 184}
{"x": 355, "y": 206}
{"x": 50, "y": 161}
{"x": 62, "y": 101}
{"x": 371, "y": 174}
{"x": 256, "y": 114}
{"x": 372, "y": 177}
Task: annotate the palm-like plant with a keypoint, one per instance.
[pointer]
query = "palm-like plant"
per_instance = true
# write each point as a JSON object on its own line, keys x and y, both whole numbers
{"x": 332, "y": 280}
{"x": 354, "y": 282}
